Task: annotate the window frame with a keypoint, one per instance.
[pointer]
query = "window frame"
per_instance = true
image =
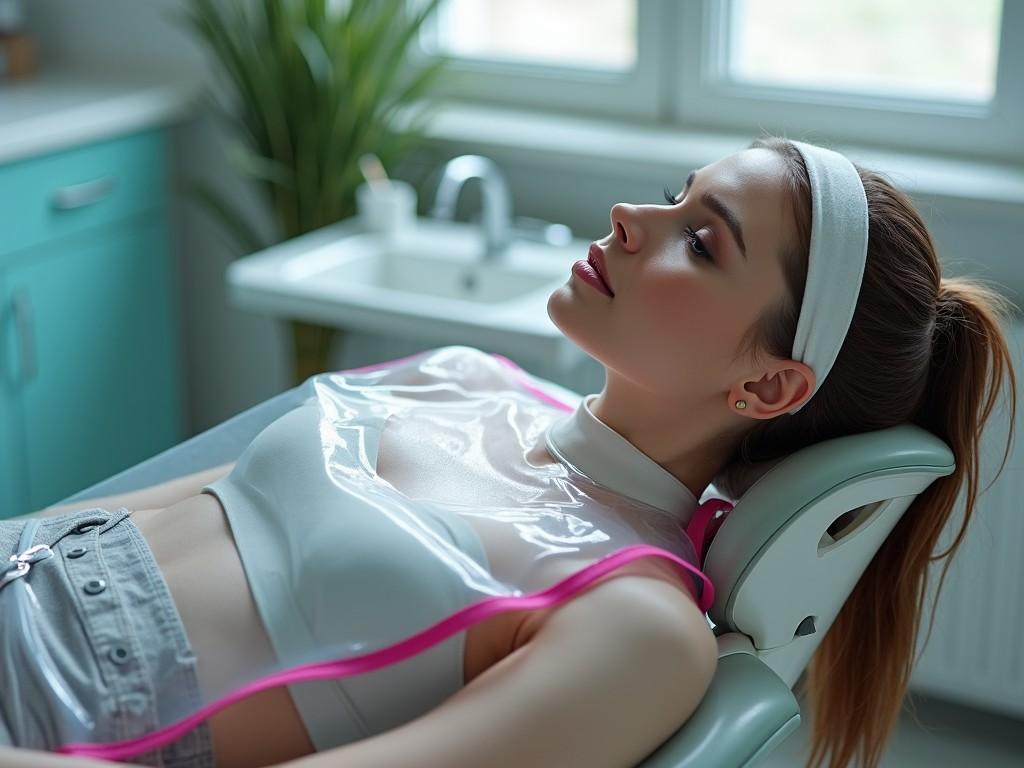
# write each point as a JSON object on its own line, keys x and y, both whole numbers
{"x": 631, "y": 93}
{"x": 661, "y": 90}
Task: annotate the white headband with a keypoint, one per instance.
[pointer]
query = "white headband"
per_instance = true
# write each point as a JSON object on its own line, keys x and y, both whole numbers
{"x": 839, "y": 248}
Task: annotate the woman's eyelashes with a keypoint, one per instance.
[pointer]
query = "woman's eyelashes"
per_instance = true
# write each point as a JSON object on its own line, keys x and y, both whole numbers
{"x": 693, "y": 240}
{"x": 696, "y": 245}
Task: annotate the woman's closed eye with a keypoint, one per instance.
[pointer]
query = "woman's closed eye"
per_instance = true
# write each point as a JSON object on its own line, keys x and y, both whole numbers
{"x": 693, "y": 240}
{"x": 696, "y": 245}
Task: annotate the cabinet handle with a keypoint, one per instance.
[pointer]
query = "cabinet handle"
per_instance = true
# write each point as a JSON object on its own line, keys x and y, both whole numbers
{"x": 26, "y": 340}
{"x": 80, "y": 195}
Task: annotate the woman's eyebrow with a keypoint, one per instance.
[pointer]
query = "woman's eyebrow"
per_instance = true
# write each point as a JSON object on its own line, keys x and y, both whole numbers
{"x": 715, "y": 203}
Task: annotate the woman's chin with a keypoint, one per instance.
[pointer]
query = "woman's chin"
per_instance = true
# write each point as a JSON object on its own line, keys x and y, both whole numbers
{"x": 577, "y": 327}
{"x": 553, "y": 301}
{"x": 559, "y": 307}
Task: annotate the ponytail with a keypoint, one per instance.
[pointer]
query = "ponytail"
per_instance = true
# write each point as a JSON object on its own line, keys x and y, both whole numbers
{"x": 859, "y": 675}
{"x": 921, "y": 349}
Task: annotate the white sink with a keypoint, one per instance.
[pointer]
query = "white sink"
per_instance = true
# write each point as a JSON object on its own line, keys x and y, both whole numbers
{"x": 428, "y": 283}
{"x": 424, "y": 263}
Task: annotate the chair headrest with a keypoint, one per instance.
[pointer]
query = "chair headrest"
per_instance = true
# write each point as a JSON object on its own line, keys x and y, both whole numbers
{"x": 776, "y": 539}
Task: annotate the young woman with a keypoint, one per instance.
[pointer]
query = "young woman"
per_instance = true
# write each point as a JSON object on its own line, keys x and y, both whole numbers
{"x": 783, "y": 297}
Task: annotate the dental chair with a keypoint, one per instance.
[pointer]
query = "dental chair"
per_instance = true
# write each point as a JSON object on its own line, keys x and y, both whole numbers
{"x": 783, "y": 562}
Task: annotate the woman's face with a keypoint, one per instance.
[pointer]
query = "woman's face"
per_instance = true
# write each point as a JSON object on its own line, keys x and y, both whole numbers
{"x": 689, "y": 279}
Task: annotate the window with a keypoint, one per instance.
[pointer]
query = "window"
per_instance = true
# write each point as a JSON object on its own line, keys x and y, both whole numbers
{"x": 574, "y": 33}
{"x": 940, "y": 75}
{"x": 885, "y": 94}
{"x": 931, "y": 49}
{"x": 597, "y": 57}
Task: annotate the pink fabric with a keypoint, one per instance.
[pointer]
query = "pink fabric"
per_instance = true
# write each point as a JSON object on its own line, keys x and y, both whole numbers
{"x": 458, "y": 621}
{"x": 706, "y": 520}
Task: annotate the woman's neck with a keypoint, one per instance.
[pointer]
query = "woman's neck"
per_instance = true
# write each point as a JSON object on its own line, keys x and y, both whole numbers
{"x": 691, "y": 449}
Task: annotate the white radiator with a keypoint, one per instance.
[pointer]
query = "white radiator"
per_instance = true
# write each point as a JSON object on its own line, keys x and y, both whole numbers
{"x": 976, "y": 651}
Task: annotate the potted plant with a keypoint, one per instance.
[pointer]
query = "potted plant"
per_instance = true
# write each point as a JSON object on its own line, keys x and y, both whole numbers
{"x": 314, "y": 87}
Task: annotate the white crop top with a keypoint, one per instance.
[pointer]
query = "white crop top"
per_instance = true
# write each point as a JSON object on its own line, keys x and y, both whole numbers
{"x": 307, "y": 550}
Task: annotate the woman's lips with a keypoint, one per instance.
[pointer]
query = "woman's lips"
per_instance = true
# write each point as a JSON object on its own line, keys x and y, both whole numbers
{"x": 585, "y": 271}
{"x": 596, "y": 259}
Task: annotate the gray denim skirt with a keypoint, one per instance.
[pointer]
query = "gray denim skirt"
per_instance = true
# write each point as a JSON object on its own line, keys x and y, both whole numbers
{"x": 92, "y": 648}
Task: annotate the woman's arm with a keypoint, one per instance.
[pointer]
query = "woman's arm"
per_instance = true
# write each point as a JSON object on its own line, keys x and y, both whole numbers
{"x": 157, "y": 496}
{"x": 606, "y": 680}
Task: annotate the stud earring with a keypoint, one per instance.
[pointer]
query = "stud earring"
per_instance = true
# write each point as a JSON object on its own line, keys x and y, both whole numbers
{"x": 741, "y": 404}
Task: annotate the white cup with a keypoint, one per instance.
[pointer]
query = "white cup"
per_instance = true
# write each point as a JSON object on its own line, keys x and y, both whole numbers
{"x": 386, "y": 207}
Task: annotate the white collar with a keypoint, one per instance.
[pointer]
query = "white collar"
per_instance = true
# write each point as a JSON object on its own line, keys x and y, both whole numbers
{"x": 589, "y": 447}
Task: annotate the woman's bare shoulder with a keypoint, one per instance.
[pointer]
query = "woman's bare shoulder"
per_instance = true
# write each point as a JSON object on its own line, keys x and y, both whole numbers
{"x": 656, "y": 584}
{"x": 621, "y": 667}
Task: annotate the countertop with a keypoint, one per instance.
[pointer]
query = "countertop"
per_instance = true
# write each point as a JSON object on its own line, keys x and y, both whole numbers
{"x": 56, "y": 108}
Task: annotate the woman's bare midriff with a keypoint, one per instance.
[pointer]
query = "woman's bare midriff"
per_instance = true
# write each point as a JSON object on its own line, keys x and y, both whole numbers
{"x": 196, "y": 552}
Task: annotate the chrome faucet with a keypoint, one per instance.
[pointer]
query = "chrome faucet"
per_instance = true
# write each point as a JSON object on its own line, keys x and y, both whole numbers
{"x": 497, "y": 207}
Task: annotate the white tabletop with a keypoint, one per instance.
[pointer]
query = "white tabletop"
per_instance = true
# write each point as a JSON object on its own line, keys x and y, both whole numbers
{"x": 56, "y": 108}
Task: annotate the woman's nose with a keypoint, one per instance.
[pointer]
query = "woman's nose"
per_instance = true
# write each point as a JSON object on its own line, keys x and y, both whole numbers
{"x": 626, "y": 226}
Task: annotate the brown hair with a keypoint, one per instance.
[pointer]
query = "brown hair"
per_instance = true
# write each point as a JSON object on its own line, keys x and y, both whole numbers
{"x": 921, "y": 349}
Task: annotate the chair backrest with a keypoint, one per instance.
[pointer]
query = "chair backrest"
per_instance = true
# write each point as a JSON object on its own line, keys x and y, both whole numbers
{"x": 791, "y": 550}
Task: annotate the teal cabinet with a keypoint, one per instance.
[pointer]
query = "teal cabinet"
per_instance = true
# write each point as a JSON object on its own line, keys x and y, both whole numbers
{"x": 10, "y": 480}
{"x": 88, "y": 324}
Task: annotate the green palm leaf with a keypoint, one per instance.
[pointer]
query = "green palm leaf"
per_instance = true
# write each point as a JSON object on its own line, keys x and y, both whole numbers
{"x": 314, "y": 89}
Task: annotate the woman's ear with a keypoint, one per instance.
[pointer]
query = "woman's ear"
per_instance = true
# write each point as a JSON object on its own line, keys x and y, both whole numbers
{"x": 802, "y": 378}
{"x": 785, "y": 386}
